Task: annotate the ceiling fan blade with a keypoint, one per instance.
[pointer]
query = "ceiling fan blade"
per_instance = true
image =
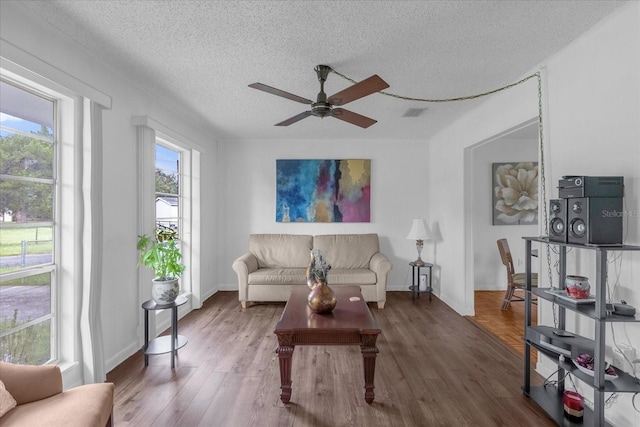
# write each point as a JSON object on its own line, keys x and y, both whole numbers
{"x": 366, "y": 87}
{"x": 294, "y": 119}
{"x": 353, "y": 118}
{"x": 274, "y": 91}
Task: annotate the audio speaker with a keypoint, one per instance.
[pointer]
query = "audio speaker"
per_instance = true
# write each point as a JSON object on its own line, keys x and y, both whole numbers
{"x": 558, "y": 220}
{"x": 595, "y": 221}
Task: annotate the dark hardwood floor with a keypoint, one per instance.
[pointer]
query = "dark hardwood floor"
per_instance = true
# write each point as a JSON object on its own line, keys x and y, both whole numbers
{"x": 435, "y": 368}
{"x": 507, "y": 325}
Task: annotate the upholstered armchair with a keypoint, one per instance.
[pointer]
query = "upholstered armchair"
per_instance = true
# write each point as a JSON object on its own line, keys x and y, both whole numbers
{"x": 40, "y": 400}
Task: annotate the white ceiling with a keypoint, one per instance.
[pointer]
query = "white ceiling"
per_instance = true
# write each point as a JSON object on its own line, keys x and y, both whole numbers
{"x": 199, "y": 56}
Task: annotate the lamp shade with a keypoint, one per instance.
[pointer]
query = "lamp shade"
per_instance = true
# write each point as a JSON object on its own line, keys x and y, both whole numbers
{"x": 419, "y": 230}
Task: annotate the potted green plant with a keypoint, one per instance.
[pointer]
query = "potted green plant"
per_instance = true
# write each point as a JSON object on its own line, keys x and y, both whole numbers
{"x": 163, "y": 257}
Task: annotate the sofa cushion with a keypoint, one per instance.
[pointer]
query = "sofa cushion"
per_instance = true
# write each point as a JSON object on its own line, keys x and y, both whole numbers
{"x": 297, "y": 276}
{"x": 20, "y": 381}
{"x": 278, "y": 276}
{"x": 7, "y": 402}
{"x": 86, "y": 405}
{"x": 351, "y": 276}
{"x": 347, "y": 250}
{"x": 281, "y": 250}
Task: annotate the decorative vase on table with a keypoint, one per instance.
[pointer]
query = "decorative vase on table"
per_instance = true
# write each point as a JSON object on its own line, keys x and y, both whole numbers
{"x": 321, "y": 299}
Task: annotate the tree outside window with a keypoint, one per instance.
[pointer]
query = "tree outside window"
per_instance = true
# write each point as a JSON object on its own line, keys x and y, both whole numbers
{"x": 27, "y": 192}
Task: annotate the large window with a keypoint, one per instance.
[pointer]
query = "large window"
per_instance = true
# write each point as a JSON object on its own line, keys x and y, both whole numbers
{"x": 169, "y": 198}
{"x": 28, "y": 291}
{"x": 168, "y": 195}
{"x": 50, "y": 218}
{"x": 173, "y": 198}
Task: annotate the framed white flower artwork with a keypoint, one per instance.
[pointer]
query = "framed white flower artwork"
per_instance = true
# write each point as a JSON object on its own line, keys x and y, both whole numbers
{"x": 515, "y": 193}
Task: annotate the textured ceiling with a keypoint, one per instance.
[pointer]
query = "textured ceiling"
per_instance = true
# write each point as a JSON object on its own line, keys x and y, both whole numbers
{"x": 200, "y": 56}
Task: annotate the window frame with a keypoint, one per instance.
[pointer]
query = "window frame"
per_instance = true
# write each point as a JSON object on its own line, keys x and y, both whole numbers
{"x": 79, "y": 209}
{"x": 62, "y": 328}
{"x": 147, "y": 132}
{"x": 184, "y": 205}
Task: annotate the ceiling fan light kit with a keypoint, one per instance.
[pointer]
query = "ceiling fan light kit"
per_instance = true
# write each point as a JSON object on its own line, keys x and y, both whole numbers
{"x": 326, "y": 107}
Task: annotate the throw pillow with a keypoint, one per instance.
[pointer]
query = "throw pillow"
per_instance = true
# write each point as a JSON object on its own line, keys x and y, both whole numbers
{"x": 7, "y": 402}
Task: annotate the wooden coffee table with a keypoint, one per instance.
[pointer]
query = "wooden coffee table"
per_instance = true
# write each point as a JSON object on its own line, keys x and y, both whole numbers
{"x": 350, "y": 323}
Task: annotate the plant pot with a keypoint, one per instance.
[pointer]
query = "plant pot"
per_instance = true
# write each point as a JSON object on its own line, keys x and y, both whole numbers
{"x": 165, "y": 291}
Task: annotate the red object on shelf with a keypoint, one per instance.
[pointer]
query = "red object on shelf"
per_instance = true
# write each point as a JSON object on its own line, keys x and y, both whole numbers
{"x": 573, "y": 405}
{"x": 578, "y": 293}
{"x": 577, "y": 287}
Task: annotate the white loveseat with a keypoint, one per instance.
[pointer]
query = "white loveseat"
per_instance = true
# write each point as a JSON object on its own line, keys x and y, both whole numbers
{"x": 275, "y": 263}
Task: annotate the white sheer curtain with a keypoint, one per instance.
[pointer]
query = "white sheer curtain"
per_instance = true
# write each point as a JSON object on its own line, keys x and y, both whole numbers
{"x": 90, "y": 203}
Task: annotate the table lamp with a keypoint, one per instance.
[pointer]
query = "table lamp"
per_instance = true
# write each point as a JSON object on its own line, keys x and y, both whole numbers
{"x": 419, "y": 232}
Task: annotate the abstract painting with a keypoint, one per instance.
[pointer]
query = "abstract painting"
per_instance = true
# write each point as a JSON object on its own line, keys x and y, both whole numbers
{"x": 323, "y": 190}
{"x": 515, "y": 193}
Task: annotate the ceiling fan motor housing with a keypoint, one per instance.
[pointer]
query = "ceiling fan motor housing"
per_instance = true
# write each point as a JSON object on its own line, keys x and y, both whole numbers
{"x": 321, "y": 109}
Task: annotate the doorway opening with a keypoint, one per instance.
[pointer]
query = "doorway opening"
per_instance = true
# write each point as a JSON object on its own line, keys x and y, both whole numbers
{"x": 488, "y": 220}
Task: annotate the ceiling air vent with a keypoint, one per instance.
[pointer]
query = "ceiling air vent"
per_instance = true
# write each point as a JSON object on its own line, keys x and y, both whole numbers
{"x": 414, "y": 112}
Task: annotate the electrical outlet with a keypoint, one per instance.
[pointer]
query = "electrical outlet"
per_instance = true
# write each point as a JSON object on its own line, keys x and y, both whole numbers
{"x": 619, "y": 355}
{"x": 519, "y": 262}
{"x": 609, "y": 354}
{"x": 630, "y": 353}
{"x": 588, "y": 404}
{"x": 618, "y": 361}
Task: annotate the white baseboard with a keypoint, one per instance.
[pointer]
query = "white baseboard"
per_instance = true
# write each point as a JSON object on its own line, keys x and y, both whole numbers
{"x": 488, "y": 287}
{"x": 121, "y": 356}
{"x": 462, "y": 311}
{"x": 209, "y": 294}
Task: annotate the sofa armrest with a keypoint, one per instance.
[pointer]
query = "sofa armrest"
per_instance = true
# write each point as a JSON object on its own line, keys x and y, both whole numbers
{"x": 30, "y": 383}
{"x": 380, "y": 265}
{"x": 243, "y": 266}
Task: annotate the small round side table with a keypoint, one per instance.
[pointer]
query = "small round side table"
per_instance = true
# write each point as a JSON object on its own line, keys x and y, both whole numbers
{"x": 415, "y": 280}
{"x": 167, "y": 343}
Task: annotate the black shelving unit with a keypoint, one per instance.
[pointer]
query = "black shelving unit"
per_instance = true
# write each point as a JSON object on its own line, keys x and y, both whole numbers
{"x": 549, "y": 398}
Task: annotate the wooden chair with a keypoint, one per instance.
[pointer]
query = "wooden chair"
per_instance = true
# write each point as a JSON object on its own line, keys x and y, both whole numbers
{"x": 515, "y": 281}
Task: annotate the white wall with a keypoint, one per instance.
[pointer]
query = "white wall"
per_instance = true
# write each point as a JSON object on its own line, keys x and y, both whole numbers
{"x": 247, "y": 186}
{"x": 489, "y": 272}
{"x": 451, "y": 150}
{"x": 594, "y": 121}
{"x": 120, "y": 308}
{"x": 591, "y": 127}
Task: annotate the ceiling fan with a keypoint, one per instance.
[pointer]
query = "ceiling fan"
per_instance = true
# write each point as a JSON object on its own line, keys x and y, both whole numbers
{"x": 326, "y": 107}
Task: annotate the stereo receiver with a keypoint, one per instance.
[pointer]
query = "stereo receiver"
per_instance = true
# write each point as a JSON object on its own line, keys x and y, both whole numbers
{"x": 590, "y": 186}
